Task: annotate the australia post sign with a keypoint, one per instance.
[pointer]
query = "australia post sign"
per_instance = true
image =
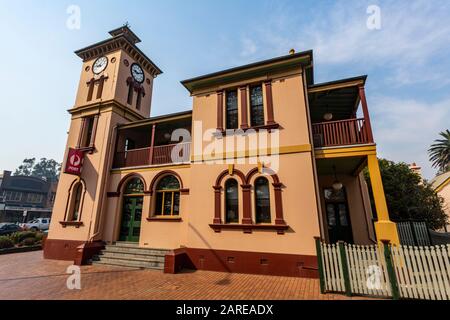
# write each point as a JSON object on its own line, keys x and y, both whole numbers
{"x": 74, "y": 162}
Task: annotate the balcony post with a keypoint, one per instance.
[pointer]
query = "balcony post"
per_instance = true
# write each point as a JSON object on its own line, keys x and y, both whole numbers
{"x": 362, "y": 96}
{"x": 152, "y": 145}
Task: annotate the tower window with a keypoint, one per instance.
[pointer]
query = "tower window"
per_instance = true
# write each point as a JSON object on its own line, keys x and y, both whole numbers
{"x": 87, "y": 133}
{"x": 75, "y": 202}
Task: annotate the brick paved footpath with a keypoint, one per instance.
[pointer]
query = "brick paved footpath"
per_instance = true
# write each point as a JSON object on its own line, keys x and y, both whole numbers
{"x": 28, "y": 276}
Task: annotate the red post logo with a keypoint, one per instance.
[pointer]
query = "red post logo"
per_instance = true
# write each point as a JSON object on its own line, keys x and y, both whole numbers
{"x": 74, "y": 162}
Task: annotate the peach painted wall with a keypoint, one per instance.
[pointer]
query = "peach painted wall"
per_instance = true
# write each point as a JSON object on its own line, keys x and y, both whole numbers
{"x": 95, "y": 174}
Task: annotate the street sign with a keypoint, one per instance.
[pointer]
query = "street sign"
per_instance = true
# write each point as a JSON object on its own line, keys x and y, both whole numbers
{"x": 74, "y": 162}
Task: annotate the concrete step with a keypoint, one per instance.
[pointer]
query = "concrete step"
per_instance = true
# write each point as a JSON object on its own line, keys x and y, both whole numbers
{"x": 129, "y": 263}
{"x": 135, "y": 250}
{"x": 131, "y": 256}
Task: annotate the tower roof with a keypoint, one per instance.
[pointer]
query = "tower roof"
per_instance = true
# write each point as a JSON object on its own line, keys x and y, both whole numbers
{"x": 121, "y": 38}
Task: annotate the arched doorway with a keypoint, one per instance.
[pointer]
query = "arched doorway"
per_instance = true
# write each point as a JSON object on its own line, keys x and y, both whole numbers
{"x": 133, "y": 200}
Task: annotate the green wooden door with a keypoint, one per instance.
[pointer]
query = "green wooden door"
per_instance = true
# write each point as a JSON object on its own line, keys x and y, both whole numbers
{"x": 131, "y": 219}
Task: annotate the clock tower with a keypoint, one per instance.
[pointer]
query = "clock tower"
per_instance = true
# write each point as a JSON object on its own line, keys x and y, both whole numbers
{"x": 115, "y": 88}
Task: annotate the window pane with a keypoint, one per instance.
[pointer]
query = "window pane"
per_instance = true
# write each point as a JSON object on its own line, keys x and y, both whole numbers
{"x": 262, "y": 197}
{"x": 168, "y": 204}
{"x": 168, "y": 183}
{"x": 332, "y": 195}
{"x": 343, "y": 215}
{"x": 231, "y": 201}
{"x": 331, "y": 215}
{"x": 232, "y": 110}
{"x": 176, "y": 204}
{"x": 158, "y": 205}
{"x": 256, "y": 106}
{"x": 135, "y": 186}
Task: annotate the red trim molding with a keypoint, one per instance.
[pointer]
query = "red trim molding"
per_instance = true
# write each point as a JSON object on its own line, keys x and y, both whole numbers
{"x": 269, "y": 102}
{"x": 220, "y": 110}
{"x": 249, "y": 228}
{"x": 157, "y": 219}
{"x": 289, "y": 265}
{"x": 244, "y": 111}
{"x": 247, "y": 221}
{"x": 113, "y": 194}
{"x": 70, "y": 250}
{"x": 76, "y": 224}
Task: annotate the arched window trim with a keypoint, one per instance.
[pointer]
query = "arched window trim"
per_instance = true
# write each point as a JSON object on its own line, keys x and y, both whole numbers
{"x": 247, "y": 225}
{"x": 174, "y": 193}
{"x": 68, "y": 217}
{"x": 255, "y": 199}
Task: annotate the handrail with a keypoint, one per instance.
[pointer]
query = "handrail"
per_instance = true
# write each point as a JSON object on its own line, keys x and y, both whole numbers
{"x": 341, "y": 133}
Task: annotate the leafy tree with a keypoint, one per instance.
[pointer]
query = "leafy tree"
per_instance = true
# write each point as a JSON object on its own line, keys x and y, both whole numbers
{"x": 26, "y": 168}
{"x": 45, "y": 168}
{"x": 408, "y": 197}
{"x": 440, "y": 152}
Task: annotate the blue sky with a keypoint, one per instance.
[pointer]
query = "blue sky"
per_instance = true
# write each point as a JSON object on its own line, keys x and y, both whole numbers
{"x": 407, "y": 60}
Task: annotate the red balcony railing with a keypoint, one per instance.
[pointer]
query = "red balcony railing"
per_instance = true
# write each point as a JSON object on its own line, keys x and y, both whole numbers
{"x": 158, "y": 156}
{"x": 341, "y": 133}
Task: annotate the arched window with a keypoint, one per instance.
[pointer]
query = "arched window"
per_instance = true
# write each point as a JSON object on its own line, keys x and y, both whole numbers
{"x": 231, "y": 201}
{"x": 262, "y": 201}
{"x": 75, "y": 202}
{"x": 167, "y": 197}
{"x": 134, "y": 186}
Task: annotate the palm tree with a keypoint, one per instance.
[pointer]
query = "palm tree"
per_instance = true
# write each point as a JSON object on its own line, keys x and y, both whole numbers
{"x": 440, "y": 152}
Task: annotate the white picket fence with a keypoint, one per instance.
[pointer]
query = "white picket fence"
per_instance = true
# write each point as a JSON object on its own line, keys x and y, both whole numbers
{"x": 422, "y": 272}
{"x": 416, "y": 272}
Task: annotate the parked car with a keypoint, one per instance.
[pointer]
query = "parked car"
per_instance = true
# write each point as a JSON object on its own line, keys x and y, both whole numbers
{"x": 40, "y": 224}
{"x": 9, "y": 228}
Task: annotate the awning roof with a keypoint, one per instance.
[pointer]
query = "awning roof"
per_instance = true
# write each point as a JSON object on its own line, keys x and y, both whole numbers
{"x": 341, "y": 98}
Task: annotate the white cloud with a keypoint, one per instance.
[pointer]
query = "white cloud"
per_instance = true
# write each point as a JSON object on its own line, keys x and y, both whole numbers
{"x": 405, "y": 129}
{"x": 414, "y": 36}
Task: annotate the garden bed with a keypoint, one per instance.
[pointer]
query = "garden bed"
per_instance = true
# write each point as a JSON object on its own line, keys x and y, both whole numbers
{"x": 20, "y": 249}
{"x": 24, "y": 241}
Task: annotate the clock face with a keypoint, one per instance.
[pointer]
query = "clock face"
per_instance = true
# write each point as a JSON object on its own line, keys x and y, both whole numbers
{"x": 137, "y": 73}
{"x": 100, "y": 65}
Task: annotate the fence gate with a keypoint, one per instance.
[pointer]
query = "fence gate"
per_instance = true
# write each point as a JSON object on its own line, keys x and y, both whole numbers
{"x": 385, "y": 271}
{"x": 352, "y": 269}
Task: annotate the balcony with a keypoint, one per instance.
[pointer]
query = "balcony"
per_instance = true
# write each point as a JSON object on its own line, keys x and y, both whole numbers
{"x": 341, "y": 133}
{"x": 336, "y": 116}
{"x": 151, "y": 142}
{"x": 158, "y": 155}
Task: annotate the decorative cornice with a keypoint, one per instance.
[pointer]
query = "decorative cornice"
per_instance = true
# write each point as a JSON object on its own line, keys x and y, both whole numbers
{"x": 119, "y": 43}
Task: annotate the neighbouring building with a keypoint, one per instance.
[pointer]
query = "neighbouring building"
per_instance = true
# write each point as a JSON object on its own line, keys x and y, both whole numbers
{"x": 130, "y": 177}
{"x": 23, "y": 199}
{"x": 441, "y": 185}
